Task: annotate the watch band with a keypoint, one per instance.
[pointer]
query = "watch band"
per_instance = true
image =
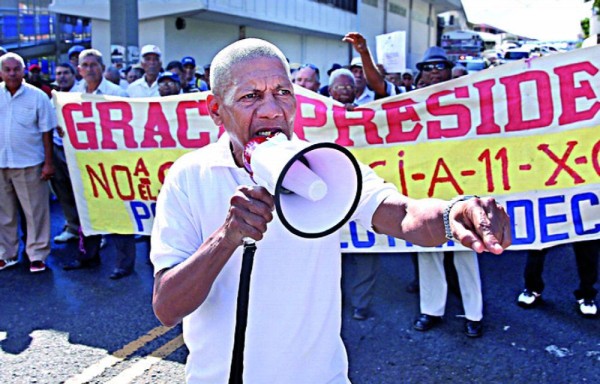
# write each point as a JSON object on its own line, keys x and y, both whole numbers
{"x": 447, "y": 210}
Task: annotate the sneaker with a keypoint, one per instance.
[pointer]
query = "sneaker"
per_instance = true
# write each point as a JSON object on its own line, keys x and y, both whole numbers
{"x": 37, "y": 266}
{"x": 529, "y": 299}
{"x": 8, "y": 263}
{"x": 587, "y": 307}
{"x": 65, "y": 236}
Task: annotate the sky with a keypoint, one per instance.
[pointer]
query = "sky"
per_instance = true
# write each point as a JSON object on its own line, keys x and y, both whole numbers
{"x": 537, "y": 19}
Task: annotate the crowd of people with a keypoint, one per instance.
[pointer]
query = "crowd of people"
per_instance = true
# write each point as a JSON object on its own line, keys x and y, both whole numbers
{"x": 195, "y": 265}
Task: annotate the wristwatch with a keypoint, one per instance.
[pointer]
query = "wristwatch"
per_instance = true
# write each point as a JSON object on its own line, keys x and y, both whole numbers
{"x": 447, "y": 210}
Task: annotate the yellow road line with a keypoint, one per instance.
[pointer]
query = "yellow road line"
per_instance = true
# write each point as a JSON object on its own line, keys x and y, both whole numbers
{"x": 137, "y": 369}
{"x": 98, "y": 368}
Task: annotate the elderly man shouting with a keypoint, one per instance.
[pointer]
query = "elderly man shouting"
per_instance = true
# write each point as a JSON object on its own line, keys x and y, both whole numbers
{"x": 209, "y": 205}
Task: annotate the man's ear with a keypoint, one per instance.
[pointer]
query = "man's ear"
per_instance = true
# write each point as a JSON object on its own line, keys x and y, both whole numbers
{"x": 213, "y": 109}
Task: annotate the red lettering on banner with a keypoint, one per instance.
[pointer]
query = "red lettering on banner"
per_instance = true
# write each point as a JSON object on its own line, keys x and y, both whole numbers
{"x": 514, "y": 100}
{"x": 157, "y": 125}
{"x": 107, "y": 125}
{"x": 398, "y": 112}
{"x": 140, "y": 167}
{"x": 402, "y": 174}
{"x": 596, "y": 157}
{"x": 488, "y": 124}
{"x": 569, "y": 93}
{"x": 183, "y": 126}
{"x": 449, "y": 178}
{"x": 301, "y": 121}
{"x": 72, "y": 128}
{"x": 103, "y": 181}
{"x": 144, "y": 189}
{"x": 561, "y": 163}
{"x": 125, "y": 170}
{"x": 462, "y": 113}
{"x": 162, "y": 171}
{"x": 343, "y": 124}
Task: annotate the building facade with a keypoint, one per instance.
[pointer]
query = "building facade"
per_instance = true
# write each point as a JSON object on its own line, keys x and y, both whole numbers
{"x": 307, "y": 31}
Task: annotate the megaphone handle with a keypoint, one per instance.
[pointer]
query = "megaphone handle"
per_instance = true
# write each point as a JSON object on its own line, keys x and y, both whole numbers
{"x": 241, "y": 318}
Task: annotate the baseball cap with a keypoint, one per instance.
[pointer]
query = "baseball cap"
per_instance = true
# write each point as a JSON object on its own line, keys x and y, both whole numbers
{"x": 168, "y": 75}
{"x": 149, "y": 48}
{"x": 188, "y": 60}
{"x": 75, "y": 49}
{"x": 34, "y": 67}
{"x": 356, "y": 62}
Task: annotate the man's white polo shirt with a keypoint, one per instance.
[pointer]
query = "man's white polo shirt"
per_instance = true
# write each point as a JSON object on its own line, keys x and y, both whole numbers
{"x": 24, "y": 118}
{"x": 294, "y": 317}
{"x": 140, "y": 88}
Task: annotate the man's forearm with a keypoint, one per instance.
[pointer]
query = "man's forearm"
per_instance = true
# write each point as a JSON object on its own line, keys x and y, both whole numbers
{"x": 180, "y": 290}
{"x": 375, "y": 79}
{"x": 417, "y": 221}
{"x": 48, "y": 148}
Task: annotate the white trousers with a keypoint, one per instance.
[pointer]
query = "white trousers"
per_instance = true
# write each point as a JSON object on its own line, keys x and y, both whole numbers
{"x": 434, "y": 288}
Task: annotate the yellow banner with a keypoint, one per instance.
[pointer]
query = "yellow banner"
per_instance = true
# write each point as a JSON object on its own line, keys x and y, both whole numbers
{"x": 526, "y": 132}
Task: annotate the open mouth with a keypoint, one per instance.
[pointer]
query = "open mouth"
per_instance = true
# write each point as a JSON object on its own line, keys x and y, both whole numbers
{"x": 267, "y": 133}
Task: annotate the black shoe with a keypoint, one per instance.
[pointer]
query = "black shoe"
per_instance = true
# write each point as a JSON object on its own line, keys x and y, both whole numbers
{"x": 413, "y": 287}
{"x": 426, "y": 322}
{"x": 119, "y": 274}
{"x": 360, "y": 314}
{"x": 81, "y": 264}
{"x": 473, "y": 328}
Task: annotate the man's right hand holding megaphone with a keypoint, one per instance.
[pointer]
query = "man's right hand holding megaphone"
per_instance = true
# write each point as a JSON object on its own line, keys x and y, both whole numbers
{"x": 209, "y": 205}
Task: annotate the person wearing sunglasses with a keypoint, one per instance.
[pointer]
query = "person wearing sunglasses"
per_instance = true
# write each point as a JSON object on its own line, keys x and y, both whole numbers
{"x": 169, "y": 84}
{"x": 435, "y": 66}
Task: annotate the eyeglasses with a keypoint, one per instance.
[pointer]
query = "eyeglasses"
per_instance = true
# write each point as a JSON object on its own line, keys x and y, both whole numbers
{"x": 167, "y": 84}
{"x": 431, "y": 66}
{"x": 339, "y": 88}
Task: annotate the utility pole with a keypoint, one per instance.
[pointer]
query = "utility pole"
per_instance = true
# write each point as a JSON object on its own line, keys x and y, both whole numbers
{"x": 124, "y": 32}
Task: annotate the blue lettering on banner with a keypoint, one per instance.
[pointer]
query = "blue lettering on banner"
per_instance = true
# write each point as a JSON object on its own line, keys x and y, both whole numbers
{"x": 527, "y": 205}
{"x": 577, "y": 219}
{"x": 360, "y": 243}
{"x": 142, "y": 212}
{"x": 546, "y": 220}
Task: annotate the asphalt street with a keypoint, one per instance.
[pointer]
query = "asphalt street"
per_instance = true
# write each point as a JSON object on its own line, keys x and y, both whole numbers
{"x": 82, "y": 327}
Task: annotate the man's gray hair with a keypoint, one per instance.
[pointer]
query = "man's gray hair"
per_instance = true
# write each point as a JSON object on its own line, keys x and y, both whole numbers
{"x": 91, "y": 52}
{"x": 242, "y": 50}
{"x": 339, "y": 73}
{"x": 14, "y": 56}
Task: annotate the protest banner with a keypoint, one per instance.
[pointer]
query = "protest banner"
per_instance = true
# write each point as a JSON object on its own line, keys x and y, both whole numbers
{"x": 526, "y": 133}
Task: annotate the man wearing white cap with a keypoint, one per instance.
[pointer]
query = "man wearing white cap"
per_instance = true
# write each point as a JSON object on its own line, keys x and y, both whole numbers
{"x": 147, "y": 85}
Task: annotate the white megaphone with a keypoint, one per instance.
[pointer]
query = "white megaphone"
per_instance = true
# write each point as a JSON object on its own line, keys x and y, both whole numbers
{"x": 316, "y": 187}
